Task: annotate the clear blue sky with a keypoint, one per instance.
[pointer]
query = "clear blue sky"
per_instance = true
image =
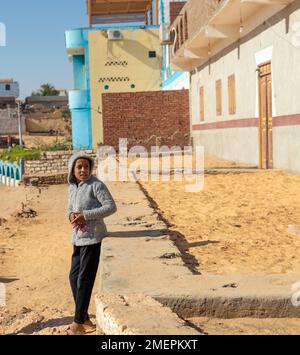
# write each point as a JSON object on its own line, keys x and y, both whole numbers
{"x": 35, "y": 45}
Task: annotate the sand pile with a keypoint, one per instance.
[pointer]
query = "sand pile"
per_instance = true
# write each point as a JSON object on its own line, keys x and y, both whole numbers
{"x": 238, "y": 223}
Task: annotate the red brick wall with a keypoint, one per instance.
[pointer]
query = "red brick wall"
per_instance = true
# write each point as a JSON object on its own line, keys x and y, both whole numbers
{"x": 147, "y": 118}
{"x": 175, "y": 8}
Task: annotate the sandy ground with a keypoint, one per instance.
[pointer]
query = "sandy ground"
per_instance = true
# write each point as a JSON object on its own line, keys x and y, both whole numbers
{"x": 244, "y": 223}
{"x": 247, "y": 326}
{"x": 34, "y": 262}
{"x": 238, "y": 223}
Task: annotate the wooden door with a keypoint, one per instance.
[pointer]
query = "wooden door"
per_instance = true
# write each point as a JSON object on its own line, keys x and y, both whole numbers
{"x": 265, "y": 116}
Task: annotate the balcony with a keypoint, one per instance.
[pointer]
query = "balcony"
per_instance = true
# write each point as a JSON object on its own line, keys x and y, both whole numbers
{"x": 121, "y": 11}
{"x": 231, "y": 20}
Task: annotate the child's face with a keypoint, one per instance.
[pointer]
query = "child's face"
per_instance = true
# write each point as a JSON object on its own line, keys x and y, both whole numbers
{"x": 82, "y": 170}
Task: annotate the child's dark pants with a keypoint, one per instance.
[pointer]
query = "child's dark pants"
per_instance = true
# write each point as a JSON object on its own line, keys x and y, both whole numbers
{"x": 83, "y": 272}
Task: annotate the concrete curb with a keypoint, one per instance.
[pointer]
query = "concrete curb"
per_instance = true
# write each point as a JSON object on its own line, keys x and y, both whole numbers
{"x": 137, "y": 314}
{"x": 139, "y": 260}
{"x": 171, "y": 283}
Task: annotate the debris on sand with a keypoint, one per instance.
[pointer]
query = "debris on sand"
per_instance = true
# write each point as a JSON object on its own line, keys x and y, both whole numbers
{"x": 26, "y": 212}
{"x": 170, "y": 256}
{"x": 2, "y": 221}
{"x": 232, "y": 285}
{"x": 293, "y": 229}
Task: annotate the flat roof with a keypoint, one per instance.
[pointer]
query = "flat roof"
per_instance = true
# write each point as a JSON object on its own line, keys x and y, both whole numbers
{"x": 103, "y": 11}
{"x": 109, "y": 7}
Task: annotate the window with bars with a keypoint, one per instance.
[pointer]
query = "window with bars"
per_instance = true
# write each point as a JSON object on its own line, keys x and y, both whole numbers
{"x": 231, "y": 95}
{"x": 181, "y": 33}
{"x": 201, "y": 103}
{"x": 186, "y": 29}
{"x": 219, "y": 97}
{"x": 177, "y": 39}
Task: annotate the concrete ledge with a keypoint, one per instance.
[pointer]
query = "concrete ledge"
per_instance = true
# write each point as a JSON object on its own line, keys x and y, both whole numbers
{"x": 238, "y": 306}
{"x": 135, "y": 265}
{"x": 137, "y": 314}
{"x": 141, "y": 263}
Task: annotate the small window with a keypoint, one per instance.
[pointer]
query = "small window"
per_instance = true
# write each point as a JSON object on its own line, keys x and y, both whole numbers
{"x": 7, "y": 87}
{"x": 219, "y": 97}
{"x": 177, "y": 39}
{"x": 181, "y": 33}
{"x": 201, "y": 103}
{"x": 186, "y": 29}
{"x": 106, "y": 87}
{"x": 152, "y": 54}
{"x": 132, "y": 86}
{"x": 231, "y": 95}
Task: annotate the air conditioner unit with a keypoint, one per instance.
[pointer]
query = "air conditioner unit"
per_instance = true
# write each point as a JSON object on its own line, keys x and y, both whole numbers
{"x": 114, "y": 35}
{"x": 165, "y": 34}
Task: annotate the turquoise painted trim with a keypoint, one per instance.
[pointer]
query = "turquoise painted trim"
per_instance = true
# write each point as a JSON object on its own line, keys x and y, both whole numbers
{"x": 80, "y": 100}
{"x": 162, "y": 11}
{"x": 172, "y": 78}
{"x": 81, "y": 128}
{"x": 74, "y": 38}
{"x": 164, "y": 62}
{"x": 11, "y": 170}
{"x": 79, "y": 72}
{"x": 88, "y": 85}
{"x": 105, "y": 27}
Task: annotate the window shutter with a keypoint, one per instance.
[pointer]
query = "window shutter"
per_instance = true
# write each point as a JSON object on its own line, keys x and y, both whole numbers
{"x": 186, "y": 30}
{"x": 231, "y": 95}
{"x": 202, "y": 103}
{"x": 219, "y": 97}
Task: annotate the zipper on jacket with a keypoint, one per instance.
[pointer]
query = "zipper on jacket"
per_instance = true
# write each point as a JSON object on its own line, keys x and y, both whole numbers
{"x": 76, "y": 208}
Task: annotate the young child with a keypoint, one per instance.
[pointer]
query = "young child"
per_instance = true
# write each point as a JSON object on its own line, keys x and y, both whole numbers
{"x": 88, "y": 204}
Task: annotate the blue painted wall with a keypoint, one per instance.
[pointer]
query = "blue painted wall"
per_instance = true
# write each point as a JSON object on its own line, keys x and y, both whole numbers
{"x": 9, "y": 89}
{"x": 79, "y": 72}
{"x": 79, "y": 98}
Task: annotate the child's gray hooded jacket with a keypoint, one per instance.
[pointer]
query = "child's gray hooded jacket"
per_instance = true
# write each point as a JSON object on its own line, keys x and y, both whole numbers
{"x": 93, "y": 199}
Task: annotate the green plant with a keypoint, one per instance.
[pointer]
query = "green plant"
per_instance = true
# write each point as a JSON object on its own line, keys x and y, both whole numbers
{"x": 57, "y": 146}
{"x": 17, "y": 153}
{"x": 66, "y": 115}
{"x": 46, "y": 90}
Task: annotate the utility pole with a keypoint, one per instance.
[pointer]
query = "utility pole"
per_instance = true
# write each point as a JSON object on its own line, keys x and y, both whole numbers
{"x": 8, "y": 110}
{"x": 19, "y": 122}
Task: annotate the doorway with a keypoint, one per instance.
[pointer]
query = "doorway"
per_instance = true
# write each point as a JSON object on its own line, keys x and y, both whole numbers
{"x": 265, "y": 116}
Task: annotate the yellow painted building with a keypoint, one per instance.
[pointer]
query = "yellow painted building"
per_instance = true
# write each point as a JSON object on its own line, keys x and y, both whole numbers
{"x": 127, "y": 59}
{"x": 130, "y": 64}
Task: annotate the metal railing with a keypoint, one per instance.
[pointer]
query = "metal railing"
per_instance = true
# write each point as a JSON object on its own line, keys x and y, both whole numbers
{"x": 10, "y": 173}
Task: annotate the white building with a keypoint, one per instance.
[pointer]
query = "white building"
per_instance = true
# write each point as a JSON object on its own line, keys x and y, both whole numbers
{"x": 243, "y": 57}
{"x": 9, "y": 91}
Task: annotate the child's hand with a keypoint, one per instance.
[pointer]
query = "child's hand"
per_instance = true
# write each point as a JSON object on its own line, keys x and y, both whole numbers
{"x": 78, "y": 220}
{"x": 72, "y": 217}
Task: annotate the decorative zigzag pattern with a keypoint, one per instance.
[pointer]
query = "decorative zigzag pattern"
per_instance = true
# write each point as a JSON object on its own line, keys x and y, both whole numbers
{"x": 113, "y": 79}
{"x": 117, "y": 63}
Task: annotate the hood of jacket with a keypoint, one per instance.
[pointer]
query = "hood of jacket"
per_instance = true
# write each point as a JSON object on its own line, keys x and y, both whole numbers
{"x": 71, "y": 163}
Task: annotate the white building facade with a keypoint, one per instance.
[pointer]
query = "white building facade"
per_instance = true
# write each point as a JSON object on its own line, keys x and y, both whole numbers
{"x": 245, "y": 81}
